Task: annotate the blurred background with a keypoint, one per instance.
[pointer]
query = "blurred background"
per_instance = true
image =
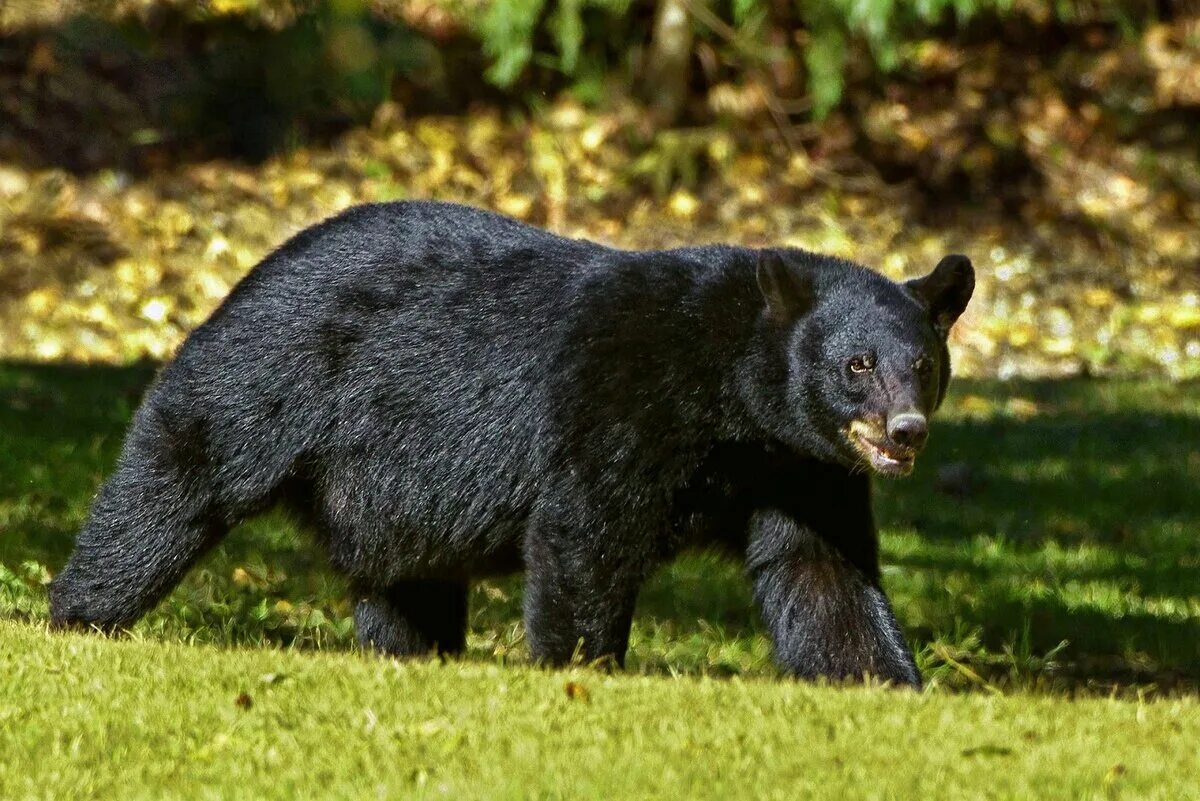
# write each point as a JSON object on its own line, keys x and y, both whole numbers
{"x": 152, "y": 151}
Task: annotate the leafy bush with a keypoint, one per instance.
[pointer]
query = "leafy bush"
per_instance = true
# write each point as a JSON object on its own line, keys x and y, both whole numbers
{"x": 511, "y": 29}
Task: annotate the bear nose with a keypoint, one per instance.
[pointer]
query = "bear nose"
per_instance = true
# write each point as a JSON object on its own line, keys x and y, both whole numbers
{"x": 908, "y": 429}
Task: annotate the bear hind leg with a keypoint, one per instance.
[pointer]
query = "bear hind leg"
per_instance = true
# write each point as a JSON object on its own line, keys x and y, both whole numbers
{"x": 414, "y": 618}
{"x": 151, "y": 521}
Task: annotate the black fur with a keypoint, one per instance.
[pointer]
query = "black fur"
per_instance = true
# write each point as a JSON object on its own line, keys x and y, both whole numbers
{"x": 445, "y": 393}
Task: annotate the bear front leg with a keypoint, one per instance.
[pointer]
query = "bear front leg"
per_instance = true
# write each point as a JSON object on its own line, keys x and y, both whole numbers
{"x": 413, "y": 618}
{"x": 577, "y": 602}
{"x": 827, "y": 615}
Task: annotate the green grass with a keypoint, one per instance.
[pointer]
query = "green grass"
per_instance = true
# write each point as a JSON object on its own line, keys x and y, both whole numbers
{"x": 1043, "y": 556}
{"x": 1067, "y": 559}
{"x": 84, "y": 717}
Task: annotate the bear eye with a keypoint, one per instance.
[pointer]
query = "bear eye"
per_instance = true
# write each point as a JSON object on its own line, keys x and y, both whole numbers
{"x": 922, "y": 365}
{"x": 862, "y": 364}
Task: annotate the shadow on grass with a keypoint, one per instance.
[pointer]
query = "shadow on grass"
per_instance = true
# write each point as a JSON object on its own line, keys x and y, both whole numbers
{"x": 1073, "y": 519}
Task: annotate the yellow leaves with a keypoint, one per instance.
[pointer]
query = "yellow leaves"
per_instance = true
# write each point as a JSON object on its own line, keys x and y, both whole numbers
{"x": 40, "y": 301}
{"x": 334, "y": 197}
{"x": 752, "y": 194}
{"x": 135, "y": 204}
{"x": 211, "y": 285}
{"x": 594, "y": 136}
{"x": 915, "y": 137}
{"x": 173, "y": 220}
{"x": 1021, "y": 334}
{"x": 932, "y": 56}
{"x": 1059, "y": 329}
{"x": 1185, "y": 317}
{"x": 156, "y": 309}
{"x": 137, "y": 274}
{"x": 546, "y": 161}
{"x": 1148, "y": 313}
{"x": 515, "y": 205}
{"x": 49, "y": 348}
{"x": 894, "y": 265}
{"x": 882, "y": 119}
{"x": 1021, "y": 408}
{"x": 1058, "y": 346}
{"x": 1099, "y": 297}
{"x": 979, "y": 406}
{"x": 799, "y": 171}
{"x": 259, "y": 579}
{"x": 42, "y": 60}
{"x": 976, "y": 405}
{"x": 750, "y": 167}
{"x": 1112, "y": 193}
{"x": 26, "y": 239}
{"x": 466, "y": 178}
{"x": 400, "y": 143}
{"x": 740, "y": 101}
{"x": 217, "y": 247}
{"x": 184, "y": 236}
{"x": 482, "y": 132}
{"x": 303, "y": 179}
{"x": 13, "y": 182}
{"x": 1171, "y": 50}
{"x": 226, "y": 7}
{"x": 100, "y": 314}
{"x": 683, "y": 204}
{"x": 567, "y": 115}
{"x": 437, "y": 134}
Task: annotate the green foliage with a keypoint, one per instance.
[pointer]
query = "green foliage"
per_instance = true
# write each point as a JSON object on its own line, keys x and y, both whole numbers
{"x": 507, "y": 30}
{"x": 881, "y": 24}
{"x": 511, "y": 28}
{"x": 825, "y": 55}
{"x": 567, "y": 26}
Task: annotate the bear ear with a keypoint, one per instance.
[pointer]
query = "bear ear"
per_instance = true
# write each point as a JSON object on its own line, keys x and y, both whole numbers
{"x": 945, "y": 291}
{"x": 788, "y": 290}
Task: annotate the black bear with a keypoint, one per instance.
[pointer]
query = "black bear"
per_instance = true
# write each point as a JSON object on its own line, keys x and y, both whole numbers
{"x": 443, "y": 393}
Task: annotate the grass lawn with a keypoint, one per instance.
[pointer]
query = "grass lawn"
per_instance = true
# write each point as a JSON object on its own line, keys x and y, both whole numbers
{"x": 82, "y": 717}
{"x": 1042, "y": 558}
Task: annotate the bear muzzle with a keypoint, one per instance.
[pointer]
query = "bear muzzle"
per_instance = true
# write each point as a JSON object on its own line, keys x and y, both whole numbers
{"x": 890, "y": 449}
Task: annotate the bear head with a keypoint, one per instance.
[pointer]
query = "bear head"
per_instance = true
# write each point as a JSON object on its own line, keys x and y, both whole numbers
{"x": 849, "y": 364}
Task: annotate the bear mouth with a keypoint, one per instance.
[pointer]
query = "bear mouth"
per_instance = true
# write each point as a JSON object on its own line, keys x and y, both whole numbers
{"x": 884, "y": 456}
